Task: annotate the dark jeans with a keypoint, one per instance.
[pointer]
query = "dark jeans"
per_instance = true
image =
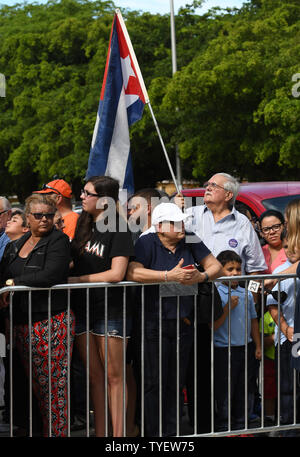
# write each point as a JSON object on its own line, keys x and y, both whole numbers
{"x": 287, "y": 384}
{"x": 237, "y": 385}
{"x": 203, "y": 381}
{"x": 169, "y": 367}
{"x": 77, "y": 385}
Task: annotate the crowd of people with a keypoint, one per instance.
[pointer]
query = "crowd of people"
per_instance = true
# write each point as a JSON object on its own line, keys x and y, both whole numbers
{"x": 174, "y": 250}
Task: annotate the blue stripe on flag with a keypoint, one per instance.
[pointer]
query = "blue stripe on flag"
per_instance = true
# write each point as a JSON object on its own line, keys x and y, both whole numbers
{"x": 135, "y": 111}
{"x": 110, "y": 149}
{"x": 107, "y": 112}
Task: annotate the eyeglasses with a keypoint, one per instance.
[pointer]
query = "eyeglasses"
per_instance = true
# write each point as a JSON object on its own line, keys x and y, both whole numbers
{"x": 45, "y": 186}
{"x": 212, "y": 185}
{"x": 5, "y": 211}
{"x": 133, "y": 207}
{"x": 39, "y": 216}
{"x": 87, "y": 194}
{"x": 274, "y": 227}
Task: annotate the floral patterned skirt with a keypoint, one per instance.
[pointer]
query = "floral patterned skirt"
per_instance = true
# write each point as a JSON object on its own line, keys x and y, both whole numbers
{"x": 40, "y": 367}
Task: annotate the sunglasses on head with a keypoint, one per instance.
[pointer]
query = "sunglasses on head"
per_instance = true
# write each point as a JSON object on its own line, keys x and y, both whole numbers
{"x": 39, "y": 216}
{"x": 45, "y": 186}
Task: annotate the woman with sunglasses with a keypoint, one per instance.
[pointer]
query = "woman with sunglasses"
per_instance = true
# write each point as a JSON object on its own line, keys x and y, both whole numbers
{"x": 271, "y": 225}
{"x": 100, "y": 253}
{"x": 40, "y": 258}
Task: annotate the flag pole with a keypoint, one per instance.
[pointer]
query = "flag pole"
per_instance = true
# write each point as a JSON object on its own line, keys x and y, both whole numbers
{"x": 145, "y": 93}
{"x": 163, "y": 146}
{"x": 174, "y": 69}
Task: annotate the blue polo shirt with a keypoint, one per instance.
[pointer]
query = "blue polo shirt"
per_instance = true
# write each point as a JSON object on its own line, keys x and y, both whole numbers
{"x": 4, "y": 240}
{"x": 237, "y": 318}
{"x": 152, "y": 254}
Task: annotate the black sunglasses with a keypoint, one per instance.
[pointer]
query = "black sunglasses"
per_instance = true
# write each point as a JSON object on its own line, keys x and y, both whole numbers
{"x": 5, "y": 211}
{"x": 39, "y": 216}
{"x": 86, "y": 193}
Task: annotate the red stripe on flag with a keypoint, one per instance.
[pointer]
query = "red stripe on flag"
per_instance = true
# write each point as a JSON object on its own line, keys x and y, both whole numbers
{"x": 107, "y": 62}
{"x": 133, "y": 86}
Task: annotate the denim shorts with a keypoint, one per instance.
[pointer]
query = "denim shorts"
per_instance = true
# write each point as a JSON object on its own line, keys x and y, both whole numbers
{"x": 114, "y": 327}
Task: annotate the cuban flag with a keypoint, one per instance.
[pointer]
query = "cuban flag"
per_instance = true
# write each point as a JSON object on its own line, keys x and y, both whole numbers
{"x": 122, "y": 100}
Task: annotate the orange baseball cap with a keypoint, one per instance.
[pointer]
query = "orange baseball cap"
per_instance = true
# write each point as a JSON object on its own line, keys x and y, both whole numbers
{"x": 58, "y": 186}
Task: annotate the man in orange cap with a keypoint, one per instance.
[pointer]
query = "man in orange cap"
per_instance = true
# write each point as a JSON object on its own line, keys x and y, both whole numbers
{"x": 62, "y": 193}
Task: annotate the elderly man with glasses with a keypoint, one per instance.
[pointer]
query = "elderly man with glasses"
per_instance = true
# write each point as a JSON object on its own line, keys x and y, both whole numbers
{"x": 5, "y": 213}
{"x": 221, "y": 227}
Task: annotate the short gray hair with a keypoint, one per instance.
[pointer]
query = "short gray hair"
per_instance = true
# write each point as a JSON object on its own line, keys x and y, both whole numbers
{"x": 6, "y": 203}
{"x": 232, "y": 185}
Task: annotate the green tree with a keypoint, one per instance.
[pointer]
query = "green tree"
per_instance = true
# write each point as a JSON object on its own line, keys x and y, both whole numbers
{"x": 49, "y": 54}
{"x": 54, "y": 57}
{"x": 236, "y": 110}
{"x": 230, "y": 99}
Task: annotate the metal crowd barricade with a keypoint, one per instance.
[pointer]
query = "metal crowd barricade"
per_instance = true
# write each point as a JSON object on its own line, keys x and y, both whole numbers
{"x": 185, "y": 430}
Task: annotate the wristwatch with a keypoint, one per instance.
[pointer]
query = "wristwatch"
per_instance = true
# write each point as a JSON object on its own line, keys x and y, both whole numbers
{"x": 9, "y": 282}
{"x": 206, "y": 276}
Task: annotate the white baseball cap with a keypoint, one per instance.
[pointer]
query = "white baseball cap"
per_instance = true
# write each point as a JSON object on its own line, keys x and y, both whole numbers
{"x": 167, "y": 212}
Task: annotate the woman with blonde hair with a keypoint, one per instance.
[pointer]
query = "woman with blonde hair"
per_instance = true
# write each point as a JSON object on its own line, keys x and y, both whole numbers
{"x": 40, "y": 258}
{"x": 292, "y": 217}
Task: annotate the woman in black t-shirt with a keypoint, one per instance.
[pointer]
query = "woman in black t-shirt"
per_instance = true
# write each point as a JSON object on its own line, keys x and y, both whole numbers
{"x": 100, "y": 252}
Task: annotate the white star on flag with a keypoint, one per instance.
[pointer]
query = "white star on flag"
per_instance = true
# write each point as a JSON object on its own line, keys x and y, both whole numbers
{"x": 127, "y": 70}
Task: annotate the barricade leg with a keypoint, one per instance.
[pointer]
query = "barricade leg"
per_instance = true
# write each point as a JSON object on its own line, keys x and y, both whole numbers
{"x": 203, "y": 380}
{"x": 286, "y": 396}
{"x": 168, "y": 375}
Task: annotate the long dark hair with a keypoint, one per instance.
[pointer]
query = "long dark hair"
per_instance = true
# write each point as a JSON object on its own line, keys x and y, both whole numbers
{"x": 105, "y": 186}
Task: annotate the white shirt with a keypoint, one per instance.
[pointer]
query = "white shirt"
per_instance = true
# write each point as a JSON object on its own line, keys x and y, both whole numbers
{"x": 151, "y": 229}
{"x": 233, "y": 232}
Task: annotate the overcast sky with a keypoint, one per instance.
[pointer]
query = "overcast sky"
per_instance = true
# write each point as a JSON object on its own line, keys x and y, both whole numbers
{"x": 163, "y": 6}
{"x": 156, "y": 6}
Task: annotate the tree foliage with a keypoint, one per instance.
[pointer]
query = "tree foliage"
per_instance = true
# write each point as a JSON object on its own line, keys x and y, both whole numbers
{"x": 236, "y": 110}
{"x": 229, "y": 107}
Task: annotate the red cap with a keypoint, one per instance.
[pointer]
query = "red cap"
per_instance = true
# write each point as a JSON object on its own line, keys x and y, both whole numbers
{"x": 58, "y": 186}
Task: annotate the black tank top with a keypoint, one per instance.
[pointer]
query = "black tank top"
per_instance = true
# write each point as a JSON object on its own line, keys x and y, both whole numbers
{"x": 16, "y": 267}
